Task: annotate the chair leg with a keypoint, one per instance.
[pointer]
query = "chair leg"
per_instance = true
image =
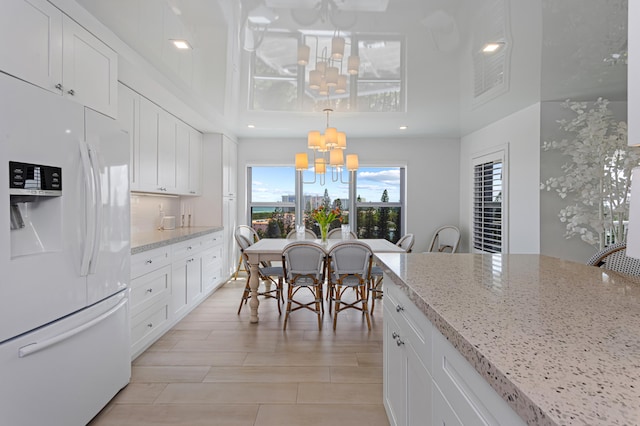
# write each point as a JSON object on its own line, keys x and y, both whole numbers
{"x": 336, "y": 298}
{"x": 288, "y": 308}
{"x": 235, "y": 277}
{"x": 365, "y": 308}
{"x": 245, "y": 296}
{"x": 319, "y": 304}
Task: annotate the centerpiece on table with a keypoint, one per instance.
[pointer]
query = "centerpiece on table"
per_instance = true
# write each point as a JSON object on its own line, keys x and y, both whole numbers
{"x": 324, "y": 216}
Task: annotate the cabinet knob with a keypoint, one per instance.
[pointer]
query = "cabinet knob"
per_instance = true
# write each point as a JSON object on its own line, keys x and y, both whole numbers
{"x": 59, "y": 86}
{"x": 399, "y": 308}
{"x": 395, "y": 335}
{"x": 150, "y": 325}
{"x": 71, "y": 92}
{"x": 149, "y": 290}
{"x": 149, "y": 262}
{"x": 399, "y": 342}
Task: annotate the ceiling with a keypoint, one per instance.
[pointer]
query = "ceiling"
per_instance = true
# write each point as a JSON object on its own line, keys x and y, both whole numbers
{"x": 554, "y": 50}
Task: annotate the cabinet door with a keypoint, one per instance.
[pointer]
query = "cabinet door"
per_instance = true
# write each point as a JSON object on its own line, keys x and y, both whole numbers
{"x": 195, "y": 162}
{"x": 194, "y": 279}
{"x": 394, "y": 372}
{"x": 148, "y": 149}
{"x": 31, "y": 42}
{"x": 129, "y": 119}
{"x": 179, "y": 301}
{"x": 182, "y": 157}
{"x": 419, "y": 386}
{"x": 229, "y": 166}
{"x": 229, "y": 207}
{"x": 89, "y": 69}
{"x": 167, "y": 152}
{"x": 442, "y": 413}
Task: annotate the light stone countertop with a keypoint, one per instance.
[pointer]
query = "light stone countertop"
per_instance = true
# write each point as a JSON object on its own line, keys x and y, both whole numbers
{"x": 143, "y": 241}
{"x": 558, "y": 340}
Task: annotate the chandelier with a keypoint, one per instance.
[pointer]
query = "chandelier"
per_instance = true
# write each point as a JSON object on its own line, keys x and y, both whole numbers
{"x": 329, "y": 73}
{"x": 328, "y": 151}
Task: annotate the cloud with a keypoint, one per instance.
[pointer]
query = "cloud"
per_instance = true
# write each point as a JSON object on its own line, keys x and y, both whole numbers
{"x": 387, "y": 177}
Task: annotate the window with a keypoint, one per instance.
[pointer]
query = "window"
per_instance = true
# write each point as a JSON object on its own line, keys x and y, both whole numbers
{"x": 489, "y": 202}
{"x": 380, "y": 202}
{"x": 271, "y": 200}
{"x": 378, "y": 208}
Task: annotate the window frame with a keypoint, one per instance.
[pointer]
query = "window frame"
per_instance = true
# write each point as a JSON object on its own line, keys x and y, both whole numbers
{"x": 493, "y": 155}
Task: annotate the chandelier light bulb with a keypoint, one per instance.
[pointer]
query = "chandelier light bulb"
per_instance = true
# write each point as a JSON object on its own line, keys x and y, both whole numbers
{"x": 332, "y": 76}
{"x": 315, "y": 77}
{"x": 337, "y": 47}
{"x": 303, "y": 54}
{"x": 353, "y": 65}
{"x": 341, "y": 87}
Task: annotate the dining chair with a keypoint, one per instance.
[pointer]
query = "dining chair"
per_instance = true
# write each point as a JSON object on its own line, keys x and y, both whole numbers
{"x": 445, "y": 239}
{"x": 336, "y": 234}
{"x": 375, "y": 283}
{"x": 304, "y": 268}
{"x": 349, "y": 267}
{"x": 271, "y": 274}
{"x": 250, "y": 234}
{"x": 614, "y": 258}
{"x": 308, "y": 235}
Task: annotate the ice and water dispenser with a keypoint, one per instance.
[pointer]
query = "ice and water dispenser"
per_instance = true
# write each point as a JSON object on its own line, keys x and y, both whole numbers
{"x": 35, "y": 208}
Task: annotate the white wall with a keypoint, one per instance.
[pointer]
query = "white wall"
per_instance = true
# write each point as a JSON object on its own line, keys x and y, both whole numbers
{"x": 432, "y": 174}
{"x": 521, "y": 130}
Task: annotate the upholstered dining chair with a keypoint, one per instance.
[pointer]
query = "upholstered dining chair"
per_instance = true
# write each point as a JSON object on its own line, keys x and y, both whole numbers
{"x": 308, "y": 235}
{"x": 445, "y": 240}
{"x": 304, "y": 268}
{"x": 336, "y": 234}
{"x": 375, "y": 283}
{"x": 614, "y": 258}
{"x": 273, "y": 274}
{"x": 349, "y": 267}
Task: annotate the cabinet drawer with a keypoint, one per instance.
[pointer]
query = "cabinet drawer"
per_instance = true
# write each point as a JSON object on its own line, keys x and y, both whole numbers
{"x": 212, "y": 240}
{"x": 149, "y": 288}
{"x": 145, "y": 262}
{"x": 414, "y": 324}
{"x": 475, "y": 401}
{"x": 186, "y": 248}
{"x": 212, "y": 256}
{"x": 149, "y": 322}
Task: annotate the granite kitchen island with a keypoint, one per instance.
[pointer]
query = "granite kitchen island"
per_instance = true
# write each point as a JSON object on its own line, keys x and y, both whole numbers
{"x": 556, "y": 340}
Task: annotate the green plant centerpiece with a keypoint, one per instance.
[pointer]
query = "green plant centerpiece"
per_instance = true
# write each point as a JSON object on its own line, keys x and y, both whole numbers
{"x": 325, "y": 216}
{"x": 596, "y": 179}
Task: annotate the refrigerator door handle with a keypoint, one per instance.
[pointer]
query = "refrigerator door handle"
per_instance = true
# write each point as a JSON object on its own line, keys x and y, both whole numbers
{"x": 90, "y": 206}
{"x": 40, "y": 346}
{"x": 94, "y": 157}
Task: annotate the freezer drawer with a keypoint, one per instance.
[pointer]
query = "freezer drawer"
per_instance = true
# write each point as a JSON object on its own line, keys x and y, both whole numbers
{"x": 66, "y": 372}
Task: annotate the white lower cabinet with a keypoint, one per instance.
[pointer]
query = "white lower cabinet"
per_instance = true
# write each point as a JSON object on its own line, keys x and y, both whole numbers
{"x": 170, "y": 281}
{"x": 426, "y": 380}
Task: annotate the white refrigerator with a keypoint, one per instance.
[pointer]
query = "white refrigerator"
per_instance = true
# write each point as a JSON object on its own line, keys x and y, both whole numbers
{"x": 64, "y": 258}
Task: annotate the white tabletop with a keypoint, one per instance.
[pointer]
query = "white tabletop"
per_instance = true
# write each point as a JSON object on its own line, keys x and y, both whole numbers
{"x": 271, "y": 246}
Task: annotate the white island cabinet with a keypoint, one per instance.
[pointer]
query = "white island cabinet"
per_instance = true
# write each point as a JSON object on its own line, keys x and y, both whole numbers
{"x": 426, "y": 380}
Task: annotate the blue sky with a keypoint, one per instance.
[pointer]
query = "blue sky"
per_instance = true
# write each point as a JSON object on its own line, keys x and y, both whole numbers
{"x": 269, "y": 184}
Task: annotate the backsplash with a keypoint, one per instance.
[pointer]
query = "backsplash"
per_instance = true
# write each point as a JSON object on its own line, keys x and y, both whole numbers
{"x": 145, "y": 211}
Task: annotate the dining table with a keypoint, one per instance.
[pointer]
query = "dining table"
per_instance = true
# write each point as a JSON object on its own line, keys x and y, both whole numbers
{"x": 270, "y": 249}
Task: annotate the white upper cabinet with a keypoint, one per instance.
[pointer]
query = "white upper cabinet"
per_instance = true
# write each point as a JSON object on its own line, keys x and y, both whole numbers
{"x": 129, "y": 119}
{"x": 31, "y": 42}
{"x": 41, "y": 45}
{"x": 148, "y": 149}
{"x": 195, "y": 162}
{"x": 167, "y": 152}
{"x": 182, "y": 157}
{"x": 229, "y": 167}
{"x": 89, "y": 69}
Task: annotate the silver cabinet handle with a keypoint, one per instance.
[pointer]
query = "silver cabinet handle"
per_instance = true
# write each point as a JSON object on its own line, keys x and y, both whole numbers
{"x": 399, "y": 342}
{"x": 395, "y": 335}
{"x": 149, "y": 290}
{"x": 59, "y": 86}
{"x": 71, "y": 92}
{"x": 150, "y": 325}
{"x": 399, "y": 308}
{"x": 149, "y": 262}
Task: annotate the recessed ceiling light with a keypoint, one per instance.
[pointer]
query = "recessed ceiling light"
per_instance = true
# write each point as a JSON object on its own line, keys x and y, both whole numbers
{"x": 251, "y": 126}
{"x": 181, "y": 44}
{"x": 492, "y": 47}
{"x": 403, "y": 127}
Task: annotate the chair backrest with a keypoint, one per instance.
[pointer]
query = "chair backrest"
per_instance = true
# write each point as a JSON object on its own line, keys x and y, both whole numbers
{"x": 308, "y": 235}
{"x": 406, "y": 242}
{"x": 445, "y": 239}
{"x": 352, "y": 258}
{"x": 614, "y": 258}
{"x": 248, "y": 232}
{"x": 303, "y": 260}
{"x": 336, "y": 234}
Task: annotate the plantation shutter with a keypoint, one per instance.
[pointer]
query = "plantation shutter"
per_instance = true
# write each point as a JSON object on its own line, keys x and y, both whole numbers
{"x": 488, "y": 199}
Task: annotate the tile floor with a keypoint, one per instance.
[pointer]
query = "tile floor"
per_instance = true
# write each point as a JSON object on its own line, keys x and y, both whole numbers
{"x": 215, "y": 368}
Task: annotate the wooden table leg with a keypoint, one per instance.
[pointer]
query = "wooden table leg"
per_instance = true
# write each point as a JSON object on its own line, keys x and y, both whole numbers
{"x": 253, "y": 284}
